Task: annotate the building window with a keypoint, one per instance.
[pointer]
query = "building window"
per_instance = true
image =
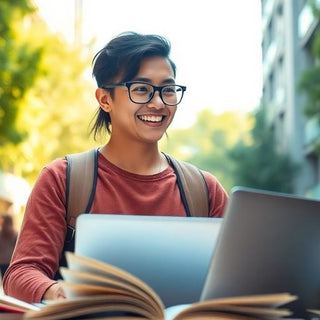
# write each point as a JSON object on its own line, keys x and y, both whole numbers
{"x": 271, "y": 87}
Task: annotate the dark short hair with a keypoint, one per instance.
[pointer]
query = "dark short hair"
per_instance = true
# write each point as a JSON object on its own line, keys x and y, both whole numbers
{"x": 122, "y": 56}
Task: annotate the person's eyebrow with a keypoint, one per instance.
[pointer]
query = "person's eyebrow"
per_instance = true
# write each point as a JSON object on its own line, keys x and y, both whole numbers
{"x": 169, "y": 81}
{"x": 142, "y": 79}
{"x": 147, "y": 80}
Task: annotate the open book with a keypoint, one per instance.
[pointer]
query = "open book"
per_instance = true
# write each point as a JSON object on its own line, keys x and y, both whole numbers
{"x": 14, "y": 309}
{"x": 101, "y": 291}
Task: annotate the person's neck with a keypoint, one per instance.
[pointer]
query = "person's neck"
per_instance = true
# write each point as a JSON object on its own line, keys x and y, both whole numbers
{"x": 136, "y": 158}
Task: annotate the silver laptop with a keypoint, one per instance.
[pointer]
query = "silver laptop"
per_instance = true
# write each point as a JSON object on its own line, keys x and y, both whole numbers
{"x": 171, "y": 254}
{"x": 269, "y": 243}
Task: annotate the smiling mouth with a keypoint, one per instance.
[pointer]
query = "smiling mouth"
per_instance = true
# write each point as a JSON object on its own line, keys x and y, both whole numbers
{"x": 153, "y": 119}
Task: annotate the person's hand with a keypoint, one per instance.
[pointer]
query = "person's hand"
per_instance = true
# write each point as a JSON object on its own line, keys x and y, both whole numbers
{"x": 54, "y": 292}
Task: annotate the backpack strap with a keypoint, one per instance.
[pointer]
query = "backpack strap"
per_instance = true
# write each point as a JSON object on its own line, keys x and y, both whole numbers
{"x": 82, "y": 179}
{"x": 193, "y": 187}
{"x": 82, "y": 171}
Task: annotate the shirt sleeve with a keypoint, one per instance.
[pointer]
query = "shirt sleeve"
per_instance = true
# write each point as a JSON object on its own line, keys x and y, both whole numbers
{"x": 41, "y": 238}
{"x": 218, "y": 196}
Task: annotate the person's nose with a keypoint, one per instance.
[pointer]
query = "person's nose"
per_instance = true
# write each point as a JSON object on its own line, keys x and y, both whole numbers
{"x": 156, "y": 101}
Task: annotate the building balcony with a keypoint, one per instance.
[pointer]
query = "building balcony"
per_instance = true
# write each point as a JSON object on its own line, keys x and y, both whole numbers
{"x": 267, "y": 12}
{"x": 312, "y": 130}
{"x": 307, "y": 23}
{"x": 312, "y": 135}
{"x": 272, "y": 54}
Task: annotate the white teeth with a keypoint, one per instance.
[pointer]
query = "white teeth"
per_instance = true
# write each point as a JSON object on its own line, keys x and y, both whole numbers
{"x": 150, "y": 118}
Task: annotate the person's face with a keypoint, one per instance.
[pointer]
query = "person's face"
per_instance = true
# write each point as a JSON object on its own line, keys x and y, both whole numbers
{"x": 143, "y": 122}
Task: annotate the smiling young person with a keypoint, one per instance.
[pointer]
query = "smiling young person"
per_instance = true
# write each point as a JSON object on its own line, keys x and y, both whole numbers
{"x": 138, "y": 98}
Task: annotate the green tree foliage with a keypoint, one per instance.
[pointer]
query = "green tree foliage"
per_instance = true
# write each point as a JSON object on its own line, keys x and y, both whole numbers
{"x": 58, "y": 109}
{"x": 258, "y": 164}
{"x": 18, "y": 67}
{"x": 205, "y": 143}
{"x": 56, "y": 112}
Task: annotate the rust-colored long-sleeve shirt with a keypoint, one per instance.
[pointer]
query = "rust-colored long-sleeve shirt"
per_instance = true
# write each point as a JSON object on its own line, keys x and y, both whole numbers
{"x": 41, "y": 238}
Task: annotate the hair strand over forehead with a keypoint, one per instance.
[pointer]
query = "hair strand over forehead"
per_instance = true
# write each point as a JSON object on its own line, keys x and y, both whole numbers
{"x": 124, "y": 54}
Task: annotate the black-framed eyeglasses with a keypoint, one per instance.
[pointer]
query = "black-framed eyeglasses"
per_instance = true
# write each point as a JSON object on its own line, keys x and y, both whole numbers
{"x": 141, "y": 92}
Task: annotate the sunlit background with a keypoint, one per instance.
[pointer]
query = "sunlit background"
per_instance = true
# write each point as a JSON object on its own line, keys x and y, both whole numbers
{"x": 215, "y": 44}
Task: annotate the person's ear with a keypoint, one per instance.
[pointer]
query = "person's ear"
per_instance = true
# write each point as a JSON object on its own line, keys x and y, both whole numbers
{"x": 104, "y": 99}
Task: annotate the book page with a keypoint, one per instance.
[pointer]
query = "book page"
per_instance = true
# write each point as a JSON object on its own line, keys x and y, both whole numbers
{"x": 268, "y": 300}
{"x": 99, "y": 268}
{"x": 221, "y": 316}
{"x": 314, "y": 312}
{"x": 78, "y": 290}
{"x": 6, "y": 308}
{"x": 90, "y": 290}
{"x": 254, "y": 306}
{"x": 101, "y": 304}
{"x": 7, "y": 301}
{"x": 11, "y": 316}
{"x": 110, "y": 285}
{"x": 173, "y": 311}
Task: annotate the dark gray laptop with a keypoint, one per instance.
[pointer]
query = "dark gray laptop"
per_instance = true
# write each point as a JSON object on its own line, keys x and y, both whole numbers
{"x": 171, "y": 254}
{"x": 269, "y": 243}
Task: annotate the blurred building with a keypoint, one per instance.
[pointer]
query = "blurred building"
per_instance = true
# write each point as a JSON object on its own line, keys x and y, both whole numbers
{"x": 288, "y": 28}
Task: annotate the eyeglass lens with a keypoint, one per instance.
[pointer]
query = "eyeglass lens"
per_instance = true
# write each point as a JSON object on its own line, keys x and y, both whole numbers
{"x": 143, "y": 93}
